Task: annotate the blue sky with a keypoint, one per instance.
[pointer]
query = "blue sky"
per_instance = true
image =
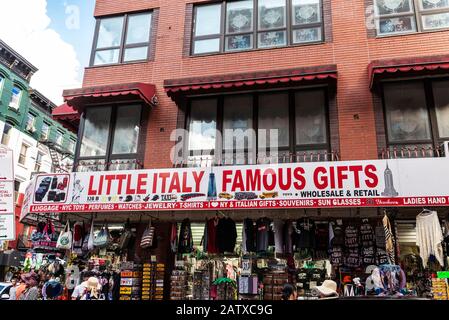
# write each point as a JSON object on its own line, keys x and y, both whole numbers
{"x": 55, "y": 36}
{"x": 80, "y": 38}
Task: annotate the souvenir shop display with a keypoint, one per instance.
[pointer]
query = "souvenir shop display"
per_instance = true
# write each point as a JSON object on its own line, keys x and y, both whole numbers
{"x": 440, "y": 289}
{"x": 179, "y": 285}
{"x": 153, "y": 281}
{"x": 130, "y": 281}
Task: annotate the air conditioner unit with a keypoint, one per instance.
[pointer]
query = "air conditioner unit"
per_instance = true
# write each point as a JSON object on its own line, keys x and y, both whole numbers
{"x": 31, "y": 128}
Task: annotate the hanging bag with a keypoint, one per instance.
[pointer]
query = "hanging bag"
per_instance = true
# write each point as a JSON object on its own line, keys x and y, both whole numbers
{"x": 78, "y": 237}
{"x": 102, "y": 238}
{"x": 125, "y": 237}
{"x": 65, "y": 238}
{"x": 91, "y": 238}
{"x": 147, "y": 237}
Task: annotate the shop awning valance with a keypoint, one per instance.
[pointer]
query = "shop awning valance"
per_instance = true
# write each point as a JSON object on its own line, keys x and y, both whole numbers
{"x": 79, "y": 98}
{"x": 67, "y": 116}
{"x": 252, "y": 80}
{"x": 412, "y": 66}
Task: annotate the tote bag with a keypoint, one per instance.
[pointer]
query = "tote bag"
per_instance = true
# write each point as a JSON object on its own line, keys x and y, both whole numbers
{"x": 102, "y": 238}
{"x": 65, "y": 238}
{"x": 147, "y": 237}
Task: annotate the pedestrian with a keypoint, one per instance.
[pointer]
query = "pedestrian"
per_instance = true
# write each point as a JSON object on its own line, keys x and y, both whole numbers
{"x": 20, "y": 288}
{"x": 289, "y": 292}
{"x": 31, "y": 291}
{"x": 52, "y": 289}
{"x": 12, "y": 291}
{"x": 93, "y": 289}
{"x": 78, "y": 292}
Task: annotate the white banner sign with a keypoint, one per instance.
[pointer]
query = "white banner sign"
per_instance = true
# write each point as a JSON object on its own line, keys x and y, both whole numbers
{"x": 370, "y": 183}
{"x": 7, "y": 227}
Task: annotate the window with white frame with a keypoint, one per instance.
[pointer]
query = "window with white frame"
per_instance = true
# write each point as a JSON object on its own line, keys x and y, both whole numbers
{"x": 38, "y": 165}
{"x": 408, "y": 16}
{"x": 248, "y": 24}
{"x": 23, "y": 154}
{"x": 45, "y": 130}
{"x": 122, "y": 39}
{"x": 59, "y": 138}
{"x": 15, "y": 98}
{"x": 31, "y": 119}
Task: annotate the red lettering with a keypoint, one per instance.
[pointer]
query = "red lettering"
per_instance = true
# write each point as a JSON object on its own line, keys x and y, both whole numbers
{"x": 164, "y": 176}
{"x": 155, "y": 183}
{"x": 226, "y": 179}
{"x": 341, "y": 175}
{"x": 373, "y": 179}
{"x": 253, "y": 180}
{"x": 356, "y": 170}
{"x": 91, "y": 191}
{"x": 100, "y": 187}
{"x": 185, "y": 188}
{"x": 109, "y": 179}
{"x": 238, "y": 182}
{"x": 298, "y": 175}
{"x": 332, "y": 177}
{"x": 174, "y": 185}
{"x": 129, "y": 190}
{"x": 120, "y": 178}
{"x": 141, "y": 183}
{"x": 320, "y": 182}
{"x": 285, "y": 186}
{"x": 269, "y": 186}
{"x": 198, "y": 177}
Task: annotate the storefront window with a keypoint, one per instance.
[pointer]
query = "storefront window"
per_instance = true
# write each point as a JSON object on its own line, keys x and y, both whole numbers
{"x": 112, "y": 47}
{"x": 96, "y": 130}
{"x": 248, "y": 24}
{"x": 203, "y": 125}
{"x": 417, "y": 116}
{"x": 279, "y": 123}
{"x": 127, "y": 129}
{"x": 441, "y": 93}
{"x": 311, "y": 124}
{"x": 407, "y": 116}
{"x": 110, "y": 138}
{"x": 405, "y": 16}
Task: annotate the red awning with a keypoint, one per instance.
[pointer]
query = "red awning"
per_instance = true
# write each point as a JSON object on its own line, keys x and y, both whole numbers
{"x": 393, "y": 68}
{"x": 79, "y": 98}
{"x": 67, "y": 116}
{"x": 248, "y": 80}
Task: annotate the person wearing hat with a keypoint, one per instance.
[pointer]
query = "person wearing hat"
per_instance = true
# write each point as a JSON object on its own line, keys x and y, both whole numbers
{"x": 79, "y": 290}
{"x": 328, "y": 290}
{"x": 31, "y": 282}
{"x": 93, "y": 289}
{"x": 52, "y": 289}
{"x": 289, "y": 292}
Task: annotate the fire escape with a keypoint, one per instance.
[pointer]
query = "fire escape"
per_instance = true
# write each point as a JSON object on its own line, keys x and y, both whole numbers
{"x": 57, "y": 155}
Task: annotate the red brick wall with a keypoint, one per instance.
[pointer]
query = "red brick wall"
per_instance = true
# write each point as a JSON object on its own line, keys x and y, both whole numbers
{"x": 351, "y": 49}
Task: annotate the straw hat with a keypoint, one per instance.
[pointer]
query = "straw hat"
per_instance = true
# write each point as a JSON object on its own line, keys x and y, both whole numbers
{"x": 328, "y": 288}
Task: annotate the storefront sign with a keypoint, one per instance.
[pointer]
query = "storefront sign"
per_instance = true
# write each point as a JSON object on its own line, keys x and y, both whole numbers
{"x": 7, "y": 227}
{"x": 373, "y": 183}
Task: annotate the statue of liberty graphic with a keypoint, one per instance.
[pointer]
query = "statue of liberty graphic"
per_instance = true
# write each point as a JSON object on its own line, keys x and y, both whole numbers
{"x": 389, "y": 191}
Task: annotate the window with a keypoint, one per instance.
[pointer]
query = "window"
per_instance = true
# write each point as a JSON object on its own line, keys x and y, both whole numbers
{"x": 406, "y": 16}
{"x": 59, "y": 138}
{"x": 16, "y": 190}
{"x": 2, "y": 81}
{"x": 30, "y": 123}
{"x": 413, "y": 120}
{"x": 7, "y": 130}
{"x": 111, "y": 135}
{"x": 71, "y": 146}
{"x": 15, "y": 98}
{"x": 291, "y": 122}
{"x": 45, "y": 131}
{"x": 38, "y": 165}
{"x": 23, "y": 154}
{"x": 122, "y": 39}
{"x": 248, "y": 24}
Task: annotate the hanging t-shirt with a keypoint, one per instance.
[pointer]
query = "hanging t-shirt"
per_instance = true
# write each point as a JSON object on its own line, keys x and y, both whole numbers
{"x": 249, "y": 243}
{"x": 263, "y": 227}
{"x": 226, "y": 235}
{"x": 368, "y": 255}
{"x": 278, "y": 226}
{"x": 352, "y": 258}
{"x": 351, "y": 237}
{"x": 305, "y": 234}
{"x": 339, "y": 237}
{"x": 288, "y": 237}
{"x": 380, "y": 237}
{"x": 336, "y": 256}
{"x": 367, "y": 236}
{"x": 185, "y": 244}
{"x": 381, "y": 256}
{"x": 211, "y": 242}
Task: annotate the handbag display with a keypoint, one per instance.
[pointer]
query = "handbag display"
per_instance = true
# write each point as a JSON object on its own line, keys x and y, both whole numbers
{"x": 102, "y": 238}
{"x": 78, "y": 237}
{"x": 65, "y": 239}
{"x": 147, "y": 237}
{"x": 125, "y": 237}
